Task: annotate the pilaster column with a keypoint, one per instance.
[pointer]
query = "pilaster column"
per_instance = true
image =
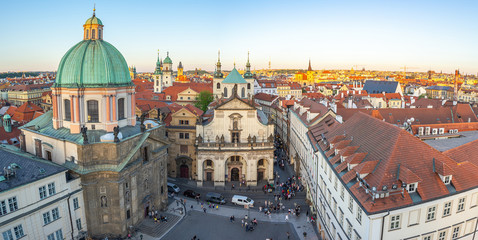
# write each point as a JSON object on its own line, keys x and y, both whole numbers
{"x": 114, "y": 108}
{"x": 77, "y": 109}
{"x": 108, "y": 108}
{"x": 72, "y": 109}
{"x": 54, "y": 105}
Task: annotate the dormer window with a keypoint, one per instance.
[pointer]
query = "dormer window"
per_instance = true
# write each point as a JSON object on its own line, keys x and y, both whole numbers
{"x": 412, "y": 187}
{"x": 447, "y": 179}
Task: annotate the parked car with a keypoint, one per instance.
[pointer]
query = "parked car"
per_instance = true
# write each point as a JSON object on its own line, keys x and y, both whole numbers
{"x": 173, "y": 188}
{"x": 242, "y": 200}
{"x": 215, "y": 198}
{"x": 192, "y": 194}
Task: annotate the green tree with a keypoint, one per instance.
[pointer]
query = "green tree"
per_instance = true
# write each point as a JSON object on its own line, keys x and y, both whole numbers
{"x": 203, "y": 100}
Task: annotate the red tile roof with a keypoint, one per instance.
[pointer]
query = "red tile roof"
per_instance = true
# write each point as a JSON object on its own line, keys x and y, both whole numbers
{"x": 265, "y": 97}
{"x": 26, "y": 112}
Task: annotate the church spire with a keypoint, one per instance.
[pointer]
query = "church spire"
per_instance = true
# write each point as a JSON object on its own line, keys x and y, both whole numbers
{"x": 218, "y": 73}
{"x": 248, "y": 73}
{"x": 310, "y": 66}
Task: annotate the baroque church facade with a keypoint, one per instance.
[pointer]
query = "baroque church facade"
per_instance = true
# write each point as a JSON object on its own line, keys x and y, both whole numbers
{"x": 234, "y": 138}
{"x": 163, "y": 75}
{"x": 93, "y": 131}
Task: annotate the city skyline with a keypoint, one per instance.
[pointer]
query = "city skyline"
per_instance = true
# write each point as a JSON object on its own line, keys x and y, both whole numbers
{"x": 374, "y": 35}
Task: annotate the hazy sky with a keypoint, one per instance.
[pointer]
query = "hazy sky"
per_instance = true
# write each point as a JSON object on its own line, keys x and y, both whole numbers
{"x": 334, "y": 34}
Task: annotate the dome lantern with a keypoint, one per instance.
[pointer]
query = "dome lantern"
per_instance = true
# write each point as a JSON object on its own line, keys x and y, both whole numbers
{"x": 93, "y": 28}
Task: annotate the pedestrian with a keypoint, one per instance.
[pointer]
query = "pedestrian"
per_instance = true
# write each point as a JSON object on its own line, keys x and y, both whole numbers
{"x": 232, "y": 187}
{"x": 260, "y": 209}
{"x": 245, "y": 224}
{"x": 204, "y": 209}
{"x": 217, "y": 207}
{"x": 286, "y": 218}
{"x": 191, "y": 206}
{"x": 242, "y": 222}
{"x": 288, "y": 235}
{"x": 177, "y": 203}
{"x": 307, "y": 213}
{"x": 230, "y": 218}
{"x": 245, "y": 217}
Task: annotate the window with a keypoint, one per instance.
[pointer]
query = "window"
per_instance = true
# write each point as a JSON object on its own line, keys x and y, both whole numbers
{"x": 92, "y": 106}
{"x": 120, "y": 108}
{"x": 99, "y": 33}
{"x": 78, "y": 224}
{"x": 342, "y": 192}
{"x": 42, "y": 191}
{"x": 349, "y": 230}
{"x": 394, "y": 222}
{"x": 218, "y": 86}
{"x": 51, "y": 237}
{"x": 93, "y": 33}
{"x": 461, "y": 204}
{"x": 87, "y": 33}
{"x": 261, "y": 162}
{"x": 51, "y": 189}
{"x": 248, "y": 86}
{"x": 341, "y": 217}
{"x": 7, "y": 235}
{"x": 18, "y": 231}
{"x": 209, "y": 163}
{"x": 447, "y": 209}
{"x": 429, "y": 237}
{"x": 48, "y": 156}
{"x": 243, "y": 92}
{"x": 442, "y": 235}
{"x": 456, "y": 232}
{"x": 359, "y": 215}
{"x": 59, "y": 234}
{"x": 351, "y": 203}
{"x": 67, "y": 110}
{"x": 411, "y": 188}
{"x": 55, "y": 214}
{"x": 12, "y": 204}
{"x": 225, "y": 92}
{"x": 183, "y": 122}
{"x": 76, "y": 204}
{"x": 128, "y": 214}
{"x": 431, "y": 213}
{"x": 335, "y": 184}
{"x": 3, "y": 208}
{"x": 46, "y": 218}
{"x": 145, "y": 154}
{"x": 447, "y": 180}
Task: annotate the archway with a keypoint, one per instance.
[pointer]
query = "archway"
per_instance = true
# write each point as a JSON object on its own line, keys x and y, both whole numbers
{"x": 235, "y": 174}
{"x": 184, "y": 167}
{"x": 262, "y": 167}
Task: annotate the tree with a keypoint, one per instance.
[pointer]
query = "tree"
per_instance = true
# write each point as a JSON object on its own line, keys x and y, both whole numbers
{"x": 203, "y": 100}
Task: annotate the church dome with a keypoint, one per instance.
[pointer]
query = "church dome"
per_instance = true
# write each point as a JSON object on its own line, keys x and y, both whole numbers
{"x": 167, "y": 59}
{"x": 93, "y": 20}
{"x": 93, "y": 63}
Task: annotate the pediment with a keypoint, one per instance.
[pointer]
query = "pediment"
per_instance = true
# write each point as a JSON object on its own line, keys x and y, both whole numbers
{"x": 235, "y": 104}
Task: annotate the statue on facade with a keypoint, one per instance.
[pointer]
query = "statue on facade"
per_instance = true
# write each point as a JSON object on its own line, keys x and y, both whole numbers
{"x": 249, "y": 139}
{"x": 222, "y": 138}
{"x": 254, "y": 139}
{"x": 104, "y": 201}
{"x": 83, "y": 133}
{"x": 142, "y": 118}
{"x": 199, "y": 139}
{"x": 115, "y": 133}
{"x": 270, "y": 138}
{"x": 217, "y": 138}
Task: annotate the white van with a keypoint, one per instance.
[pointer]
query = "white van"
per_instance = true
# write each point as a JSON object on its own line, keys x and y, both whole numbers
{"x": 173, "y": 188}
{"x": 242, "y": 200}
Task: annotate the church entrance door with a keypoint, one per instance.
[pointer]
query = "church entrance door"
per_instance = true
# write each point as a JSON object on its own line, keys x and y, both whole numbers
{"x": 184, "y": 171}
{"x": 235, "y": 174}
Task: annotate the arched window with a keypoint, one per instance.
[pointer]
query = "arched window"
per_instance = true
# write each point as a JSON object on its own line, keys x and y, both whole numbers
{"x": 225, "y": 92}
{"x": 99, "y": 33}
{"x": 218, "y": 86}
{"x": 261, "y": 162}
{"x": 243, "y": 92}
{"x": 120, "y": 108}
{"x": 248, "y": 86}
{"x": 87, "y": 33}
{"x": 208, "y": 163}
{"x": 157, "y": 82}
{"x": 67, "y": 110}
{"x": 92, "y": 106}
{"x": 93, "y": 34}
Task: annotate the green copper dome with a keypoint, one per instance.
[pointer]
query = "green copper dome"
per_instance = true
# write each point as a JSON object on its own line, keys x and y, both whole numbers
{"x": 167, "y": 60}
{"x": 93, "y": 20}
{"x": 93, "y": 63}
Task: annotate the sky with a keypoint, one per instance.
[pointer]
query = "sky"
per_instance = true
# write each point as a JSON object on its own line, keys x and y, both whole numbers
{"x": 333, "y": 34}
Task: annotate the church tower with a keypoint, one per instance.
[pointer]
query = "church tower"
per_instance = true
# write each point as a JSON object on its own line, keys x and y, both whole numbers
{"x": 180, "y": 69}
{"x": 157, "y": 76}
{"x": 167, "y": 77}
{"x": 218, "y": 77}
{"x": 249, "y": 78}
{"x": 310, "y": 75}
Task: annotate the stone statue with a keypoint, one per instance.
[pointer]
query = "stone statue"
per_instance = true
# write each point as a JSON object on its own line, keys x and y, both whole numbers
{"x": 217, "y": 138}
{"x": 249, "y": 139}
{"x": 270, "y": 138}
{"x": 115, "y": 133}
{"x": 254, "y": 139}
{"x": 83, "y": 132}
{"x": 104, "y": 201}
{"x": 199, "y": 139}
{"x": 222, "y": 138}
{"x": 158, "y": 117}
{"x": 142, "y": 118}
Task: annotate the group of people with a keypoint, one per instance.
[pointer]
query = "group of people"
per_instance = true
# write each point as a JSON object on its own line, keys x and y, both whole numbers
{"x": 248, "y": 225}
{"x": 157, "y": 217}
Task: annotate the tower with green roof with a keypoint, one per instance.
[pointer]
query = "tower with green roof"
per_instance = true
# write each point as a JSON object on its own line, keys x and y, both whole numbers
{"x": 158, "y": 75}
{"x": 218, "y": 77}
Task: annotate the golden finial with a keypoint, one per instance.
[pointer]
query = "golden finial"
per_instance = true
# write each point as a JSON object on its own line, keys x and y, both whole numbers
{"x": 234, "y": 62}
{"x": 94, "y": 9}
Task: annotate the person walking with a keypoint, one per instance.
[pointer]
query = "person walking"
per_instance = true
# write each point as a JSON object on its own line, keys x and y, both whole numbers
{"x": 288, "y": 235}
{"x": 204, "y": 209}
{"x": 286, "y": 218}
{"x": 242, "y": 222}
